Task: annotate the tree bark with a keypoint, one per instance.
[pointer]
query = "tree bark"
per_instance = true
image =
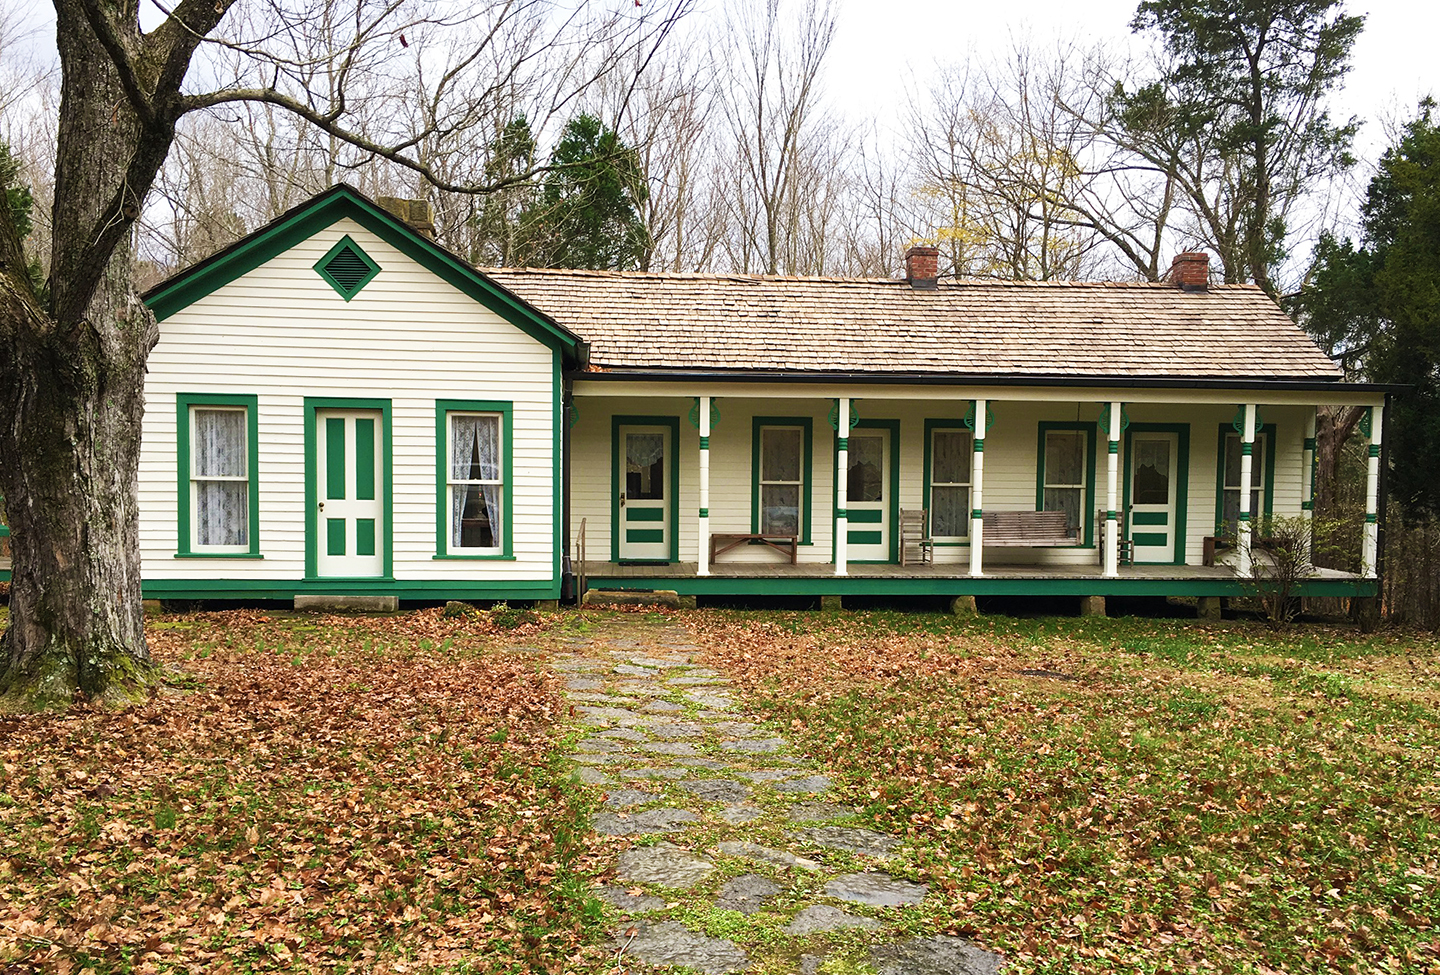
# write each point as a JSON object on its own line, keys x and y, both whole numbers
{"x": 72, "y": 396}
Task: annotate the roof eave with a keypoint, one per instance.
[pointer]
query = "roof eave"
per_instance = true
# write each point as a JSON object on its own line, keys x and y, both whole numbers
{"x": 1295, "y": 383}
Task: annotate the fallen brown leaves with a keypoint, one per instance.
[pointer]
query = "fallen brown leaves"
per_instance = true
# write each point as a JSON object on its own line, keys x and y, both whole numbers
{"x": 319, "y": 794}
{"x": 1126, "y": 795}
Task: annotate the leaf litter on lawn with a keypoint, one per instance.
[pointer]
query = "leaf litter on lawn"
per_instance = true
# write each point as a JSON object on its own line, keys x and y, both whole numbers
{"x": 1180, "y": 805}
{"x": 320, "y": 793}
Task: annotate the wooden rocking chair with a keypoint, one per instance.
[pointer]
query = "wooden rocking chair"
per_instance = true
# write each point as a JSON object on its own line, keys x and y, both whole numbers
{"x": 916, "y": 545}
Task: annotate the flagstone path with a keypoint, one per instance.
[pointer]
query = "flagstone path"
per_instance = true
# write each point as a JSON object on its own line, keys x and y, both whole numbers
{"x": 739, "y": 855}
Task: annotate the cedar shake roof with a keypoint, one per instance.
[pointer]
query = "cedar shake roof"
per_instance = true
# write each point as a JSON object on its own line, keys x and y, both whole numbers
{"x": 718, "y": 322}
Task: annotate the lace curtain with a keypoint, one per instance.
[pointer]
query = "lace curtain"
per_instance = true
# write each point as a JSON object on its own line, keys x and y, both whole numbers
{"x": 222, "y": 491}
{"x": 475, "y": 516}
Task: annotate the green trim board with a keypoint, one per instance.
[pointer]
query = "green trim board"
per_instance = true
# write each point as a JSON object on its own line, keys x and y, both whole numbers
{"x": 506, "y": 410}
{"x": 347, "y": 268}
{"x": 894, "y": 427}
{"x": 184, "y": 402}
{"x": 559, "y": 464}
{"x": 312, "y": 492}
{"x": 930, "y": 427}
{"x": 673, "y": 423}
{"x": 965, "y": 585}
{"x": 1268, "y": 481}
{"x": 1087, "y": 504}
{"x": 1182, "y": 485}
{"x": 418, "y": 589}
{"x": 322, "y": 211}
{"x": 807, "y": 468}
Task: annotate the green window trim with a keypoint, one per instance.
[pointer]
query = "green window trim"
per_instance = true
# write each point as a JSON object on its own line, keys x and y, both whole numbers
{"x": 313, "y": 405}
{"x": 1182, "y": 483}
{"x": 357, "y": 271}
{"x": 672, "y": 423}
{"x": 1267, "y": 488}
{"x": 506, "y": 411}
{"x": 807, "y": 468}
{"x": 1087, "y": 501}
{"x": 946, "y": 541}
{"x": 184, "y": 498}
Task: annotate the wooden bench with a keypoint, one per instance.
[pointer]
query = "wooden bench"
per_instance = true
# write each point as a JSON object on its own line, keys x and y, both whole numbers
{"x": 1039, "y": 529}
{"x": 722, "y": 542}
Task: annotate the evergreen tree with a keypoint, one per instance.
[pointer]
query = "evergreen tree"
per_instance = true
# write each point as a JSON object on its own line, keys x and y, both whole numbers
{"x": 1238, "y": 116}
{"x": 588, "y": 213}
{"x": 501, "y": 240}
{"x": 1377, "y": 303}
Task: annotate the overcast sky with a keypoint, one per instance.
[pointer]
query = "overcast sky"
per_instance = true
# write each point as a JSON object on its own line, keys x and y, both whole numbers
{"x": 879, "y": 46}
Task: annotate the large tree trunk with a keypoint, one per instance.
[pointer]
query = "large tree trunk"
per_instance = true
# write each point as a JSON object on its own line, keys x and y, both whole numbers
{"x": 71, "y": 399}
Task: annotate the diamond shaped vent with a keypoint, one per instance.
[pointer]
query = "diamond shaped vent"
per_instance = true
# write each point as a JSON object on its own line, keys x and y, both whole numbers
{"x": 347, "y": 268}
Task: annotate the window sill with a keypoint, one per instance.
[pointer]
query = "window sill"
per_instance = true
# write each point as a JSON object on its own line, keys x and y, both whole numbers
{"x": 473, "y": 558}
{"x": 218, "y": 555}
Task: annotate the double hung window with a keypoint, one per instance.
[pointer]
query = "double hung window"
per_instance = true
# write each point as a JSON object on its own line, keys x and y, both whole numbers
{"x": 1231, "y": 493}
{"x": 949, "y": 499}
{"x": 219, "y": 507}
{"x": 474, "y": 489}
{"x": 782, "y": 461}
{"x": 1066, "y": 474}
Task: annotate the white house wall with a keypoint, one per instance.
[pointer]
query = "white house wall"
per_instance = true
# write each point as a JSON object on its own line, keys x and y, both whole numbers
{"x": 1010, "y": 466}
{"x": 282, "y": 333}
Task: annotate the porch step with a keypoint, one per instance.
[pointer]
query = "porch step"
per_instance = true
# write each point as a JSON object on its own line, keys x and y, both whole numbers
{"x": 348, "y": 604}
{"x": 667, "y": 598}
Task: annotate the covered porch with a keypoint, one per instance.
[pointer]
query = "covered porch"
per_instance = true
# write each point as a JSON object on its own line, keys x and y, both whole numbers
{"x": 1148, "y": 479}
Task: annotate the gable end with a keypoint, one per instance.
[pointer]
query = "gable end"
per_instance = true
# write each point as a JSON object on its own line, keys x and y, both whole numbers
{"x": 338, "y": 203}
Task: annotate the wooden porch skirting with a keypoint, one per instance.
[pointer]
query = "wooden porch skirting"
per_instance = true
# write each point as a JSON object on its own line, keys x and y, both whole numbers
{"x": 752, "y": 578}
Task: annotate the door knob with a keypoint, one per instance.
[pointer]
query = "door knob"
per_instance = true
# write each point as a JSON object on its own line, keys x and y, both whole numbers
{"x": 622, "y": 500}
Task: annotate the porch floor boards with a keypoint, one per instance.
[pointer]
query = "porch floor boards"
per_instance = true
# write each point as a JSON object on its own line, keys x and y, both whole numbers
{"x": 825, "y": 570}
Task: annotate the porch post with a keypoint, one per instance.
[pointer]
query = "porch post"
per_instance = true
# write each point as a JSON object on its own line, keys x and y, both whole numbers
{"x": 977, "y": 493}
{"x": 842, "y": 467}
{"x": 1112, "y": 527}
{"x": 1370, "y": 553}
{"x": 704, "y": 554}
{"x": 1247, "y": 493}
{"x": 1307, "y": 474}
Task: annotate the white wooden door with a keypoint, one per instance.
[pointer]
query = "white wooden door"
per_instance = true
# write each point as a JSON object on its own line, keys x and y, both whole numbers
{"x": 867, "y": 502}
{"x": 1154, "y": 459}
{"x": 644, "y": 501}
{"x": 350, "y": 520}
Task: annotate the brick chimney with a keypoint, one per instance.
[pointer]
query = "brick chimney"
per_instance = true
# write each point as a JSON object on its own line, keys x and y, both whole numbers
{"x": 1190, "y": 271}
{"x": 922, "y": 267}
{"x": 416, "y": 213}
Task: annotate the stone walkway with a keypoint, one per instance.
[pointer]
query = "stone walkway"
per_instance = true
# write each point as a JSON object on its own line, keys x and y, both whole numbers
{"x": 740, "y": 857}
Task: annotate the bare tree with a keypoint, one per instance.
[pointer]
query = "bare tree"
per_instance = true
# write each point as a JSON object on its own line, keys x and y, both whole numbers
{"x": 772, "y": 108}
{"x": 999, "y": 161}
{"x": 72, "y": 361}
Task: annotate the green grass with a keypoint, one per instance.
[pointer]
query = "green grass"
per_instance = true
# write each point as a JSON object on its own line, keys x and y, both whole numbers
{"x": 1195, "y": 795}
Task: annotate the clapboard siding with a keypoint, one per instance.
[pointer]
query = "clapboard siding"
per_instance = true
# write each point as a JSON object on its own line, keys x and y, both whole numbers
{"x": 282, "y": 333}
{"x": 1011, "y": 467}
